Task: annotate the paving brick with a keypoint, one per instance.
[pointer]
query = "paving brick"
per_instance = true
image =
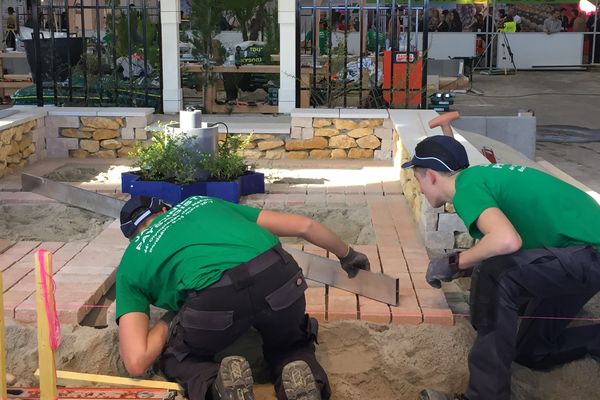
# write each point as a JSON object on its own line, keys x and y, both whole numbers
{"x": 275, "y": 201}
{"x": 341, "y": 305}
{"x": 277, "y": 188}
{"x": 316, "y": 189}
{"x": 13, "y": 299}
{"x": 432, "y": 298}
{"x": 336, "y": 199}
{"x": 416, "y": 263}
{"x": 5, "y": 244}
{"x": 295, "y": 200}
{"x": 16, "y": 253}
{"x": 373, "y": 311}
{"x": 66, "y": 254}
{"x": 374, "y": 188}
{"x": 300, "y": 189}
{"x": 354, "y": 189}
{"x": 392, "y": 187}
{"x": 406, "y": 314}
{"x": 419, "y": 281}
{"x": 438, "y": 316}
{"x": 393, "y": 266}
{"x": 356, "y": 199}
{"x": 315, "y": 302}
{"x": 25, "y": 283}
{"x": 316, "y": 250}
{"x": 336, "y": 189}
{"x": 12, "y": 276}
{"x": 316, "y": 199}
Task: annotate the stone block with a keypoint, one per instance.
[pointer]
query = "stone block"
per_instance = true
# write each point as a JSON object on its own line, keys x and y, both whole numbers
{"x": 326, "y": 132}
{"x": 320, "y": 154}
{"x": 302, "y": 122}
{"x": 75, "y": 133}
{"x": 297, "y": 155}
{"x": 111, "y": 144}
{"x": 274, "y": 154}
{"x": 386, "y": 145}
{"x": 62, "y": 121}
{"x": 342, "y": 142}
{"x": 307, "y": 144}
{"x": 382, "y": 155}
{"x": 105, "y": 154}
{"x": 320, "y": 123}
{"x": 90, "y": 145}
{"x": 103, "y": 134}
{"x": 383, "y": 133}
{"x": 138, "y": 122}
{"x": 338, "y": 154}
{"x": 308, "y": 133}
{"x": 371, "y": 123}
{"x": 451, "y": 223}
{"x": 388, "y": 123}
{"x": 128, "y": 133}
{"x": 102, "y": 122}
{"x": 368, "y": 142}
{"x": 360, "y": 153}
{"x": 296, "y": 132}
{"x": 124, "y": 151}
{"x": 141, "y": 134}
{"x": 347, "y": 124}
{"x": 79, "y": 153}
{"x": 270, "y": 144}
{"x": 360, "y": 132}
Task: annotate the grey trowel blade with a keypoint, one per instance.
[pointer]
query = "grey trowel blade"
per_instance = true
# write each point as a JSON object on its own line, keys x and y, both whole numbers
{"x": 72, "y": 195}
{"x": 373, "y": 285}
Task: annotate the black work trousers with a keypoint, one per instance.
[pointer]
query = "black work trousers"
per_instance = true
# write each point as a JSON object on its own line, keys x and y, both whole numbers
{"x": 547, "y": 287}
{"x": 272, "y": 301}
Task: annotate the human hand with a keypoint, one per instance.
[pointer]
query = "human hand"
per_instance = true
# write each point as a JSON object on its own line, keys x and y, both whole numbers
{"x": 443, "y": 269}
{"x": 353, "y": 261}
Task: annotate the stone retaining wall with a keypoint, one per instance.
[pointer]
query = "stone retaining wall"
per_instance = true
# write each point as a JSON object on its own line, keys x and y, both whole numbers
{"x": 94, "y": 136}
{"x": 20, "y": 145}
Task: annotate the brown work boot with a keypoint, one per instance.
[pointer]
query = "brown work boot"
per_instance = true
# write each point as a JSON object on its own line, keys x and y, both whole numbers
{"x": 430, "y": 394}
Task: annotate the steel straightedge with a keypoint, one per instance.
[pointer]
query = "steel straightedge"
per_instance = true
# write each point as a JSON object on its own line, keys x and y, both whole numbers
{"x": 373, "y": 285}
{"x": 72, "y": 195}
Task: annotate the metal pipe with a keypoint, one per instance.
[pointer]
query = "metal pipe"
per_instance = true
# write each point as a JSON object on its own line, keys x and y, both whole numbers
{"x": 53, "y": 55}
{"x": 39, "y": 85}
{"x": 99, "y": 51}
{"x": 131, "y": 6}
{"x": 316, "y": 49}
{"x": 114, "y": 53}
{"x": 298, "y": 67}
{"x": 85, "y": 77}
{"x": 160, "y": 80}
{"x": 424, "y": 53}
{"x": 145, "y": 39}
{"x": 346, "y": 54}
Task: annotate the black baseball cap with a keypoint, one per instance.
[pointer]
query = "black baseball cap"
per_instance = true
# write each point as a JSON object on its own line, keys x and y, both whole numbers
{"x": 136, "y": 210}
{"x": 439, "y": 153}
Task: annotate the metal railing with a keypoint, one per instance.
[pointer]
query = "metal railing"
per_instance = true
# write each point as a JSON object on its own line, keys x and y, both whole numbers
{"x": 103, "y": 54}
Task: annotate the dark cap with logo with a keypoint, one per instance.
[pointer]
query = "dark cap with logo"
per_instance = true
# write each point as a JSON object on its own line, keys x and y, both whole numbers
{"x": 136, "y": 210}
{"x": 439, "y": 153}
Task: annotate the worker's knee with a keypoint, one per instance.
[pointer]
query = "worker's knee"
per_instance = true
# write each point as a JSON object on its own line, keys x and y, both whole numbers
{"x": 485, "y": 290}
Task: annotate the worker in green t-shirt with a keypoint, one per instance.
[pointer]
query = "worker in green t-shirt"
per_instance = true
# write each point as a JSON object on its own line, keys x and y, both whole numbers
{"x": 323, "y": 37}
{"x": 220, "y": 269}
{"x": 537, "y": 256}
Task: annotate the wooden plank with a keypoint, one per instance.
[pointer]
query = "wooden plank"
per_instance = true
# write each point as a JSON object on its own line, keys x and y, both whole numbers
{"x": 14, "y": 85}
{"x": 47, "y": 366}
{"x": 13, "y": 54}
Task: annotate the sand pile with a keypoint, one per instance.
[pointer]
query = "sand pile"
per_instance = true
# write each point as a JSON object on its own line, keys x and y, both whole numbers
{"x": 364, "y": 361}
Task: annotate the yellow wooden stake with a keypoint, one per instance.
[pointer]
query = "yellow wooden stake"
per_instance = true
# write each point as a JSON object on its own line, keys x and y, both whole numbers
{"x": 3, "y": 394}
{"x": 46, "y": 363}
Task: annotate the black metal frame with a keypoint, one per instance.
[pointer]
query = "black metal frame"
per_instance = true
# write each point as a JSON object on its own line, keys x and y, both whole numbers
{"x": 382, "y": 9}
{"x": 98, "y": 11}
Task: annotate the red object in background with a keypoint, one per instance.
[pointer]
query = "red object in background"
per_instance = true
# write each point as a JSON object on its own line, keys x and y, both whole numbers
{"x": 396, "y": 69}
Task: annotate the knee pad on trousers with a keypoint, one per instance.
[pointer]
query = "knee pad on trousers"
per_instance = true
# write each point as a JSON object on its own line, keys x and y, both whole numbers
{"x": 484, "y": 290}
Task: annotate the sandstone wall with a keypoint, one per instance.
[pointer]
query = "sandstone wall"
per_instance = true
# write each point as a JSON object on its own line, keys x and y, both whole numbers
{"x": 94, "y": 137}
{"x": 21, "y": 145}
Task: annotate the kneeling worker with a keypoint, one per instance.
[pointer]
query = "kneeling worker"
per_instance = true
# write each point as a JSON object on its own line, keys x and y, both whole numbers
{"x": 538, "y": 257}
{"x": 220, "y": 267}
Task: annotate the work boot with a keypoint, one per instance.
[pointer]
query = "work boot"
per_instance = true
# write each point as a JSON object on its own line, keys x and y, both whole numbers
{"x": 234, "y": 381}
{"x": 430, "y": 394}
{"x": 299, "y": 382}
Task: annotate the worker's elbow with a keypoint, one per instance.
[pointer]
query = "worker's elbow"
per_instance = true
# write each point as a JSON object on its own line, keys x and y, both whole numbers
{"x": 305, "y": 226}
{"x": 512, "y": 243}
{"x": 135, "y": 366}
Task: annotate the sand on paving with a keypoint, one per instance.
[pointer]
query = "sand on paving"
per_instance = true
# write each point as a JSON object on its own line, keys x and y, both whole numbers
{"x": 363, "y": 360}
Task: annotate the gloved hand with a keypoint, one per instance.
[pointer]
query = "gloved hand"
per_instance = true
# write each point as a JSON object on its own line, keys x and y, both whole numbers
{"x": 443, "y": 269}
{"x": 353, "y": 261}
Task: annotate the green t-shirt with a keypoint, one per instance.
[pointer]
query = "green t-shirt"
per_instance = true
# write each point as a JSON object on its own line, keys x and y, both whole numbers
{"x": 187, "y": 248}
{"x": 546, "y": 211}
{"x": 322, "y": 40}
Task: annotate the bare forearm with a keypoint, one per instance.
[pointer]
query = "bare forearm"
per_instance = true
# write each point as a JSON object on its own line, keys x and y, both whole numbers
{"x": 138, "y": 359}
{"x": 321, "y": 236}
{"x": 489, "y": 246}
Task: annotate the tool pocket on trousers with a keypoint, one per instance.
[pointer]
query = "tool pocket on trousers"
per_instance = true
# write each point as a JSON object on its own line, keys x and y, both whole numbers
{"x": 287, "y": 294}
{"x": 206, "y": 320}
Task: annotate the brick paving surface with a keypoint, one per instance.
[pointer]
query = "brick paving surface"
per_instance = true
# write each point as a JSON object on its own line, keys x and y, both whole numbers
{"x": 84, "y": 271}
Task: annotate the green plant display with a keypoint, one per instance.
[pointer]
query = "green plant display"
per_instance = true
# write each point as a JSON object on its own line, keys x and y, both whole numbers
{"x": 228, "y": 164}
{"x": 166, "y": 158}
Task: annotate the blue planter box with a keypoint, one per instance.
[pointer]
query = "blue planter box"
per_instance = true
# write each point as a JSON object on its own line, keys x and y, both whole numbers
{"x": 170, "y": 192}
{"x": 252, "y": 182}
{"x": 229, "y": 190}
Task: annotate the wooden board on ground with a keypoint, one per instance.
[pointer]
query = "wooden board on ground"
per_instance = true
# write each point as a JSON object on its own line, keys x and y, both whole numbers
{"x": 32, "y": 393}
